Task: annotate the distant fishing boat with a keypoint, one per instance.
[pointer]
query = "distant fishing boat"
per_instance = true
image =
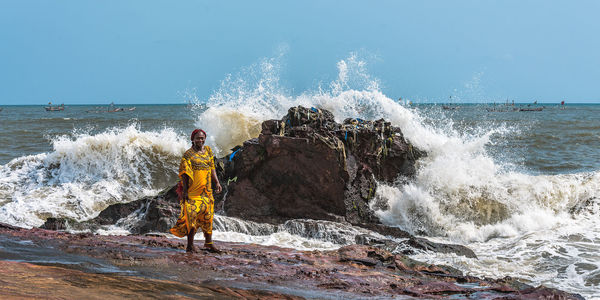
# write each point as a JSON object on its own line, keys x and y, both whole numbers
{"x": 500, "y": 109}
{"x": 448, "y": 107}
{"x": 405, "y": 102}
{"x": 50, "y": 107}
{"x": 451, "y": 105}
{"x": 531, "y": 109}
{"x": 112, "y": 108}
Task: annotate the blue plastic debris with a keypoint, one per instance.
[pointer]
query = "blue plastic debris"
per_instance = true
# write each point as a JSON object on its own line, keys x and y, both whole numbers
{"x": 314, "y": 109}
{"x": 346, "y": 137}
{"x": 233, "y": 154}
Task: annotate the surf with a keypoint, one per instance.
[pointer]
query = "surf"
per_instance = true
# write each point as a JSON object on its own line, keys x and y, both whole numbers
{"x": 84, "y": 173}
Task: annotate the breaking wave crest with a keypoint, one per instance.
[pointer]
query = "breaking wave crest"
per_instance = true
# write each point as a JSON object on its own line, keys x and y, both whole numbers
{"x": 85, "y": 173}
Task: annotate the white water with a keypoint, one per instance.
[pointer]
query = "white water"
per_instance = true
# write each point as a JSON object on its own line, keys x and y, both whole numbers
{"x": 518, "y": 224}
{"x": 86, "y": 173}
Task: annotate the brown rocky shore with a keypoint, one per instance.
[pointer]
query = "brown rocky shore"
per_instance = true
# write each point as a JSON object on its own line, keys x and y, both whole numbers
{"x": 58, "y": 265}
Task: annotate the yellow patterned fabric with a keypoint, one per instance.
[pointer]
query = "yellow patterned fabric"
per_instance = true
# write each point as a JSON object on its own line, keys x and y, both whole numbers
{"x": 196, "y": 211}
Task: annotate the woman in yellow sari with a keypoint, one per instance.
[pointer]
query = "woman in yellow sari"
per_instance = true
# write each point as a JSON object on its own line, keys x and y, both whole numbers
{"x": 197, "y": 171}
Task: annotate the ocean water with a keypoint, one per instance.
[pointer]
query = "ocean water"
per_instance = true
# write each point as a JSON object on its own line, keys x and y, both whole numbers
{"x": 519, "y": 188}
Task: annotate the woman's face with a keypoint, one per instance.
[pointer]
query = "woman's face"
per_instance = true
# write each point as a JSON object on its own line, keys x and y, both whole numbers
{"x": 199, "y": 139}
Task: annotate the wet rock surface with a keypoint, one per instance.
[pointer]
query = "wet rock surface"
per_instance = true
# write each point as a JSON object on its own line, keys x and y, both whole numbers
{"x": 158, "y": 267}
{"x": 30, "y": 281}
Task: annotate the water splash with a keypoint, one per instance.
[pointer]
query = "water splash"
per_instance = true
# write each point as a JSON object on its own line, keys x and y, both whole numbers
{"x": 85, "y": 173}
{"x": 471, "y": 91}
{"x": 242, "y": 102}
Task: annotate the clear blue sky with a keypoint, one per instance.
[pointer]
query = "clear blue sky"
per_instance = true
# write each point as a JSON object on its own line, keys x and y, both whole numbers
{"x": 77, "y": 51}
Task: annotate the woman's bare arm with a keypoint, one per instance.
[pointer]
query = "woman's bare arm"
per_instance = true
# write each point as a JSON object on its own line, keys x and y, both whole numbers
{"x": 213, "y": 174}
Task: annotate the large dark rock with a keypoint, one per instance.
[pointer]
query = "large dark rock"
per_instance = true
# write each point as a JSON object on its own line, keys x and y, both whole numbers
{"x": 425, "y": 244}
{"x": 306, "y": 165}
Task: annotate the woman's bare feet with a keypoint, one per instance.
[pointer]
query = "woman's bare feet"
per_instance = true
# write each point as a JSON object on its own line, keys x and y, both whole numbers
{"x": 211, "y": 248}
{"x": 208, "y": 244}
{"x": 190, "y": 242}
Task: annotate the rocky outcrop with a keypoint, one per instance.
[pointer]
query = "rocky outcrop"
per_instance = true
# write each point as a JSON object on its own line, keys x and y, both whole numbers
{"x": 306, "y": 165}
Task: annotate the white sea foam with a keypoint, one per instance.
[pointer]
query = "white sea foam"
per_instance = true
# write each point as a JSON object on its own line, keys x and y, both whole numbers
{"x": 469, "y": 205}
{"x": 281, "y": 239}
{"x": 564, "y": 256}
{"x": 85, "y": 173}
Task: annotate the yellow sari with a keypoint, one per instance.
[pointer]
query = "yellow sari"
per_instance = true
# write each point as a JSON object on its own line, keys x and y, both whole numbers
{"x": 196, "y": 211}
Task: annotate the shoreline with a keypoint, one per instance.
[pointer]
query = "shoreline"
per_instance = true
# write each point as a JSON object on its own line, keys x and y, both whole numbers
{"x": 158, "y": 267}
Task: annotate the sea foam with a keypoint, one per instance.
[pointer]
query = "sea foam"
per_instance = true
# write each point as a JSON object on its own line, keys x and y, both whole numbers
{"x": 85, "y": 173}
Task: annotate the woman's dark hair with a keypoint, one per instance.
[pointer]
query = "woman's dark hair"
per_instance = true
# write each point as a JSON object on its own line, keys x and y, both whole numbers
{"x": 196, "y": 132}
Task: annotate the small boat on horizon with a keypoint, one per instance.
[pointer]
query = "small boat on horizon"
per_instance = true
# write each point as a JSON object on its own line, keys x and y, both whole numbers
{"x": 449, "y": 107}
{"x": 111, "y": 108}
{"x": 51, "y": 107}
{"x": 501, "y": 109}
{"x": 532, "y": 109}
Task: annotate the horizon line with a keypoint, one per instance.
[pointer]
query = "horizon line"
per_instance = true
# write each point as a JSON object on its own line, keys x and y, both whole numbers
{"x": 413, "y": 103}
